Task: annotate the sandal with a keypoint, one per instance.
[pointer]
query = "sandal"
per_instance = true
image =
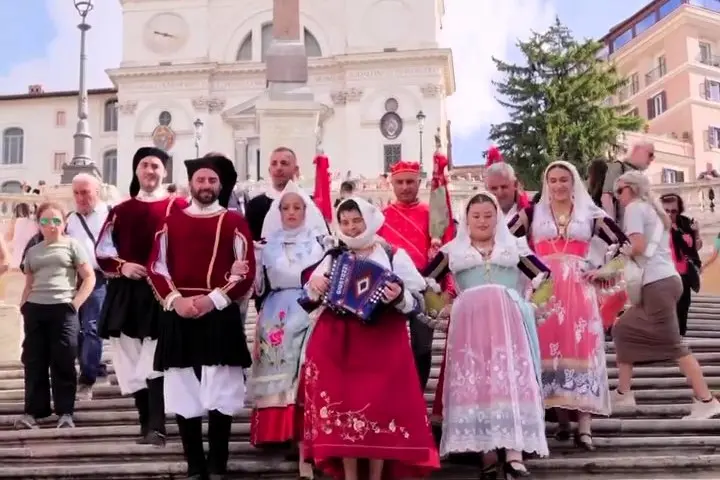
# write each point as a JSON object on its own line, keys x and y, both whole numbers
{"x": 512, "y": 472}
{"x": 584, "y": 440}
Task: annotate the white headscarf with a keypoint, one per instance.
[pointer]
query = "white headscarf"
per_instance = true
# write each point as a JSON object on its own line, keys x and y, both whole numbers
{"x": 462, "y": 255}
{"x": 584, "y": 207}
{"x": 374, "y": 220}
{"x": 313, "y": 224}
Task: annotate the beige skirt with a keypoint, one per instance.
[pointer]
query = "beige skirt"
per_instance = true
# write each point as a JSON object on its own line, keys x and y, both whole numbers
{"x": 649, "y": 332}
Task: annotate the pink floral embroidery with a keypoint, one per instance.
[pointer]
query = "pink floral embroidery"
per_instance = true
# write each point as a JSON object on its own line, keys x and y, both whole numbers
{"x": 281, "y": 315}
{"x": 352, "y": 426}
{"x": 275, "y": 337}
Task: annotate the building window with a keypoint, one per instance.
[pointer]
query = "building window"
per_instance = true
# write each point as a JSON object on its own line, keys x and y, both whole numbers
{"x": 109, "y": 167}
{"x": 245, "y": 52}
{"x": 60, "y": 118}
{"x": 622, "y": 39}
{"x": 712, "y": 90}
{"x": 668, "y": 7}
{"x": 13, "y": 146}
{"x": 634, "y": 83}
{"x": 635, "y": 112}
{"x": 705, "y": 52}
{"x": 670, "y": 175}
{"x": 657, "y": 105}
{"x": 661, "y": 65}
{"x": 59, "y": 159}
{"x": 714, "y": 137}
{"x": 11, "y": 186}
{"x": 645, "y": 23}
{"x": 392, "y": 154}
{"x": 110, "y": 117}
{"x": 312, "y": 46}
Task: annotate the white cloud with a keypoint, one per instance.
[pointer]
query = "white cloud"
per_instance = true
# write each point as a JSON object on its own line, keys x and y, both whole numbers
{"x": 477, "y": 30}
{"x": 59, "y": 68}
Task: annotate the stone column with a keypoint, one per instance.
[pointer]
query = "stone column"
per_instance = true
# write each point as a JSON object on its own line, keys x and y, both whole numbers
{"x": 286, "y": 60}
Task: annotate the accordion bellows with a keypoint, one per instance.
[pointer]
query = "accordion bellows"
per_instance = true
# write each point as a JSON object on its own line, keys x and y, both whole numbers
{"x": 356, "y": 285}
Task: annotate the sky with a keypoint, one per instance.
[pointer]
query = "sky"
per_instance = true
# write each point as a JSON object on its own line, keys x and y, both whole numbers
{"x": 44, "y": 42}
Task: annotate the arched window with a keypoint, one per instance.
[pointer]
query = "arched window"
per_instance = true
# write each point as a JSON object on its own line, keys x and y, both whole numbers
{"x": 312, "y": 46}
{"x": 110, "y": 116}
{"x": 109, "y": 167}
{"x": 13, "y": 146}
{"x": 11, "y": 186}
{"x": 245, "y": 52}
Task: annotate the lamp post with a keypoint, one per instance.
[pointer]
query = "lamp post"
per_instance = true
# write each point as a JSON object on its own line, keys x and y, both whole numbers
{"x": 421, "y": 128}
{"x": 81, "y": 160}
{"x": 198, "y": 124}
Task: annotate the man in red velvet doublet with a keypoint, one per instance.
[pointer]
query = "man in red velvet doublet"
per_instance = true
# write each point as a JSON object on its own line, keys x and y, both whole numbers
{"x": 407, "y": 226}
{"x": 202, "y": 348}
{"x": 130, "y": 313}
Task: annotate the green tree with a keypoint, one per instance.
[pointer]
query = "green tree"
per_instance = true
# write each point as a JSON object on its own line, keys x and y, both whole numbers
{"x": 557, "y": 104}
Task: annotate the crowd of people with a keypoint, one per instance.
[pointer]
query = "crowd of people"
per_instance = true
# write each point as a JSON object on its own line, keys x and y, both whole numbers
{"x": 520, "y": 288}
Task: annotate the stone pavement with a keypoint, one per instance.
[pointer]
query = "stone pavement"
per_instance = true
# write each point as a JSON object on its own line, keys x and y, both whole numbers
{"x": 649, "y": 441}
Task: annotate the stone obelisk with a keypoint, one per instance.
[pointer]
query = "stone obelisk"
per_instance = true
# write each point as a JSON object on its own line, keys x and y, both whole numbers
{"x": 288, "y": 114}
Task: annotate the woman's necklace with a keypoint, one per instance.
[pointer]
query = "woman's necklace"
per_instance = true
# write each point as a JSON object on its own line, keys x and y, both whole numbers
{"x": 485, "y": 250}
{"x": 562, "y": 220}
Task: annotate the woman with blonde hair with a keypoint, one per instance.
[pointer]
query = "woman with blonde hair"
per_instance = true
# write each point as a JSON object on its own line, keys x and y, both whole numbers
{"x": 649, "y": 331}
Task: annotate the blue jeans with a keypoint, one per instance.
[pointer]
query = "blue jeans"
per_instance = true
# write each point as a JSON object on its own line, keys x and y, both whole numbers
{"x": 90, "y": 343}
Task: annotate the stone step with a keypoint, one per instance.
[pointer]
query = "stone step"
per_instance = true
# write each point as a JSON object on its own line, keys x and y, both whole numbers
{"x": 122, "y": 412}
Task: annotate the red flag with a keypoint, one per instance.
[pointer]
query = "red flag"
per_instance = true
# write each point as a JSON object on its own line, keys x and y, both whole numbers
{"x": 442, "y": 227}
{"x": 321, "y": 195}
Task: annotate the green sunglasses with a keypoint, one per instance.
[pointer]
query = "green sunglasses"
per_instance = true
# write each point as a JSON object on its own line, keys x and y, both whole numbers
{"x": 55, "y": 221}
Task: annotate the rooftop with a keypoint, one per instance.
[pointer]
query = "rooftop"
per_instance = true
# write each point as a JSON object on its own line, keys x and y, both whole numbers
{"x": 37, "y": 91}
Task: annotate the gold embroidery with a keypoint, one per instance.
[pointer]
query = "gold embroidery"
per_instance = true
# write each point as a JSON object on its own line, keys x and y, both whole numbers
{"x": 351, "y": 425}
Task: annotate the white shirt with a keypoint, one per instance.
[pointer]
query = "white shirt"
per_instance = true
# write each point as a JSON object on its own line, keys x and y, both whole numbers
{"x": 94, "y": 220}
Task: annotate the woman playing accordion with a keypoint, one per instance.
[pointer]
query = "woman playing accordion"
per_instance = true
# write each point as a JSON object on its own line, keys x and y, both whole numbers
{"x": 362, "y": 394}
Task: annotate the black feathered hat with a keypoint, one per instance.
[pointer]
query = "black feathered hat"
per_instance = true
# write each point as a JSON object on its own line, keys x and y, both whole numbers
{"x": 225, "y": 170}
{"x": 144, "y": 152}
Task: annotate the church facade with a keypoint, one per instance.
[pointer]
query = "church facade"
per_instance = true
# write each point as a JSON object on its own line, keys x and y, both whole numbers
{"x": 373, "y": 66}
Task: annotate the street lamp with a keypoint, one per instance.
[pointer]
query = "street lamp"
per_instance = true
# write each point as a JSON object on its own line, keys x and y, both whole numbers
{"x": 82, "y": 137}
{"x": 421, "y": 128}
{"x": 198, "y": 124}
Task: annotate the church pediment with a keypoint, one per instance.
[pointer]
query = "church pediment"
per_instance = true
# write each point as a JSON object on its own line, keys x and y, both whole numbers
{"x": 245, "y": 114}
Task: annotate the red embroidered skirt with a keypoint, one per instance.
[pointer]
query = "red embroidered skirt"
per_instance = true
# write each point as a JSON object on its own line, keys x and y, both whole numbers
{"x": 362, "y": 398}
{"x": 273, "y": 425}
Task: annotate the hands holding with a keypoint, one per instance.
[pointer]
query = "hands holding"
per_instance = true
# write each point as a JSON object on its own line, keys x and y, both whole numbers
{"x": 133, "y": 271}
{"x": 239, "y": 268}
{"x": 391, "y": 292}
{"x": 193, "y": 307}
{"x": 319, "y": 284}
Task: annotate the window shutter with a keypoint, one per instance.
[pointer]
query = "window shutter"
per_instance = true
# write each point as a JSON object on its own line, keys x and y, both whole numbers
{"x": 681, "y": 177}
{"x": 663, "y": 101}
{"x": 650, "y": 109}
{"x": 707, "y": 89}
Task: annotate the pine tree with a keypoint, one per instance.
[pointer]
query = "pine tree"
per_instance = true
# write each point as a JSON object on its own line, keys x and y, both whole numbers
{"x": 557, "y": 104}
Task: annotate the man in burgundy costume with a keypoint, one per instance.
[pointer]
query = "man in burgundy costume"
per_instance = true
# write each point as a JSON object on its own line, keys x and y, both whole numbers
{"x": 407, "y": 226}
{"x": 130, "y": 314}
{"x": 202, "y": 348}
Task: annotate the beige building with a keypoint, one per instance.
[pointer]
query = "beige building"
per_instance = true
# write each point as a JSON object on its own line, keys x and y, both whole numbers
{"x": 670, "y": 51}
{"x": 37, "y": 135}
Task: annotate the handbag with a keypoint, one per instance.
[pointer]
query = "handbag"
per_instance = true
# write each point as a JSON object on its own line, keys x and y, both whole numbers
{"x": 692, "y": 275}
{"x": 635, "y": 267}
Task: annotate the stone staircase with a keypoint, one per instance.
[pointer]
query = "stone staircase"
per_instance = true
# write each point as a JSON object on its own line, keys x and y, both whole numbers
{"x": 649, "y": 441}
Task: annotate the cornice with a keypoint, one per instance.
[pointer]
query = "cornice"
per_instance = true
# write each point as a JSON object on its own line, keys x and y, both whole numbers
{"x": 339, "y": 64}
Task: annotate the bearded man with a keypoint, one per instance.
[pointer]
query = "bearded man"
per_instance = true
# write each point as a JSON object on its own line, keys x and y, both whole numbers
{"x": 202, "y": 348}
{"x": 407, "y": 226}
{"x": 130, "y": 313}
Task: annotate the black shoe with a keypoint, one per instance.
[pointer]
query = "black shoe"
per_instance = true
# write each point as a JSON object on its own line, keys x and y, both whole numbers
{"x": 511, "y": 472}
{"x": 563, "y": 433}
{"x": 490, "y": 472}
{"x": 155, "y": 439}
{"x": 217, "y": 476}
{"x": 584, "y": 440}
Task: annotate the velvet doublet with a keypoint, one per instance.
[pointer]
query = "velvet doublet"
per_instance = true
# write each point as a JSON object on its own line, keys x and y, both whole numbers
{"x": 129, "y": 232}
{"x": 200, "y": 253}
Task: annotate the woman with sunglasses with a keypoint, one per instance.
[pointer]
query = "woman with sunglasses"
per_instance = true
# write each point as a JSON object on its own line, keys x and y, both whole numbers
{"x": 49, "y": 305}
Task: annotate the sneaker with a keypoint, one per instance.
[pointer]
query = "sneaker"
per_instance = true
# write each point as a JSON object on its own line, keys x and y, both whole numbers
{"x": 703, "y": 410}
{"x": 84, "y": 392}
{"x": 626, "y": 399}
{"x": 66, "y": 421}
{"x": 26, "y": 422}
